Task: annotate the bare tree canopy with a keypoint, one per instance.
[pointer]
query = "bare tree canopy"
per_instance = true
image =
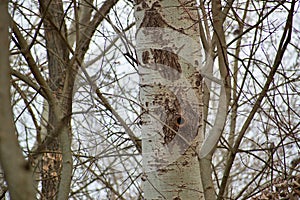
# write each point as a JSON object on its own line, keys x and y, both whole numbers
{"x": 149, "y": 99}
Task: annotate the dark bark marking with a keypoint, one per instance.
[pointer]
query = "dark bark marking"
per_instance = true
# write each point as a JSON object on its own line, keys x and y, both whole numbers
{"x": 152, "y": 16}
{"x": 178, "y": 117}
{"x": 197, "y": 80}
{"x": 164, "y": 61}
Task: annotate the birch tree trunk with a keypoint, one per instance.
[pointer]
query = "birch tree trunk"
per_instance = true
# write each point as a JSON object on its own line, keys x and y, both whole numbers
{"x": 169, "y": 57}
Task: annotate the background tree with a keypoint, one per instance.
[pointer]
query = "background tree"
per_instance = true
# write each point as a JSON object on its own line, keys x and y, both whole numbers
{"x": 64, "y": 50}
{"x": 16, "y": 169}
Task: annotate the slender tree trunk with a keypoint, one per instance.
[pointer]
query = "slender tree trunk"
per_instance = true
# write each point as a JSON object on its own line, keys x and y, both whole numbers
{"x": 16, "y": 170}
{"x": 57, "y": 161}
{"x": 169, "y": 55}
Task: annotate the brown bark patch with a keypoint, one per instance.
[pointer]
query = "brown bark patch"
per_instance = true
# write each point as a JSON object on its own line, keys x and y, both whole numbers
{"x": 164, "y": 61}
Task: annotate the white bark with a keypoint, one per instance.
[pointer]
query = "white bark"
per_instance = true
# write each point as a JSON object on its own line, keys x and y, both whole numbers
{"x": 169, "y": 53}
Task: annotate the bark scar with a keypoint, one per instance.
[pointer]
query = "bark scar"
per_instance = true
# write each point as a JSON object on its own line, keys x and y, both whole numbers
{"x": 164, "y": 61}
{"x": 179, "y": 118}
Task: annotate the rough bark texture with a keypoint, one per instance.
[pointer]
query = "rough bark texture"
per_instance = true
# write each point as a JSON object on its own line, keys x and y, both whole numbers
{"x": 171, "y": 93}
{"x": 17, "y": 171}
{"x": 57, "y": 161}
{"x": 61, "y": 80}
